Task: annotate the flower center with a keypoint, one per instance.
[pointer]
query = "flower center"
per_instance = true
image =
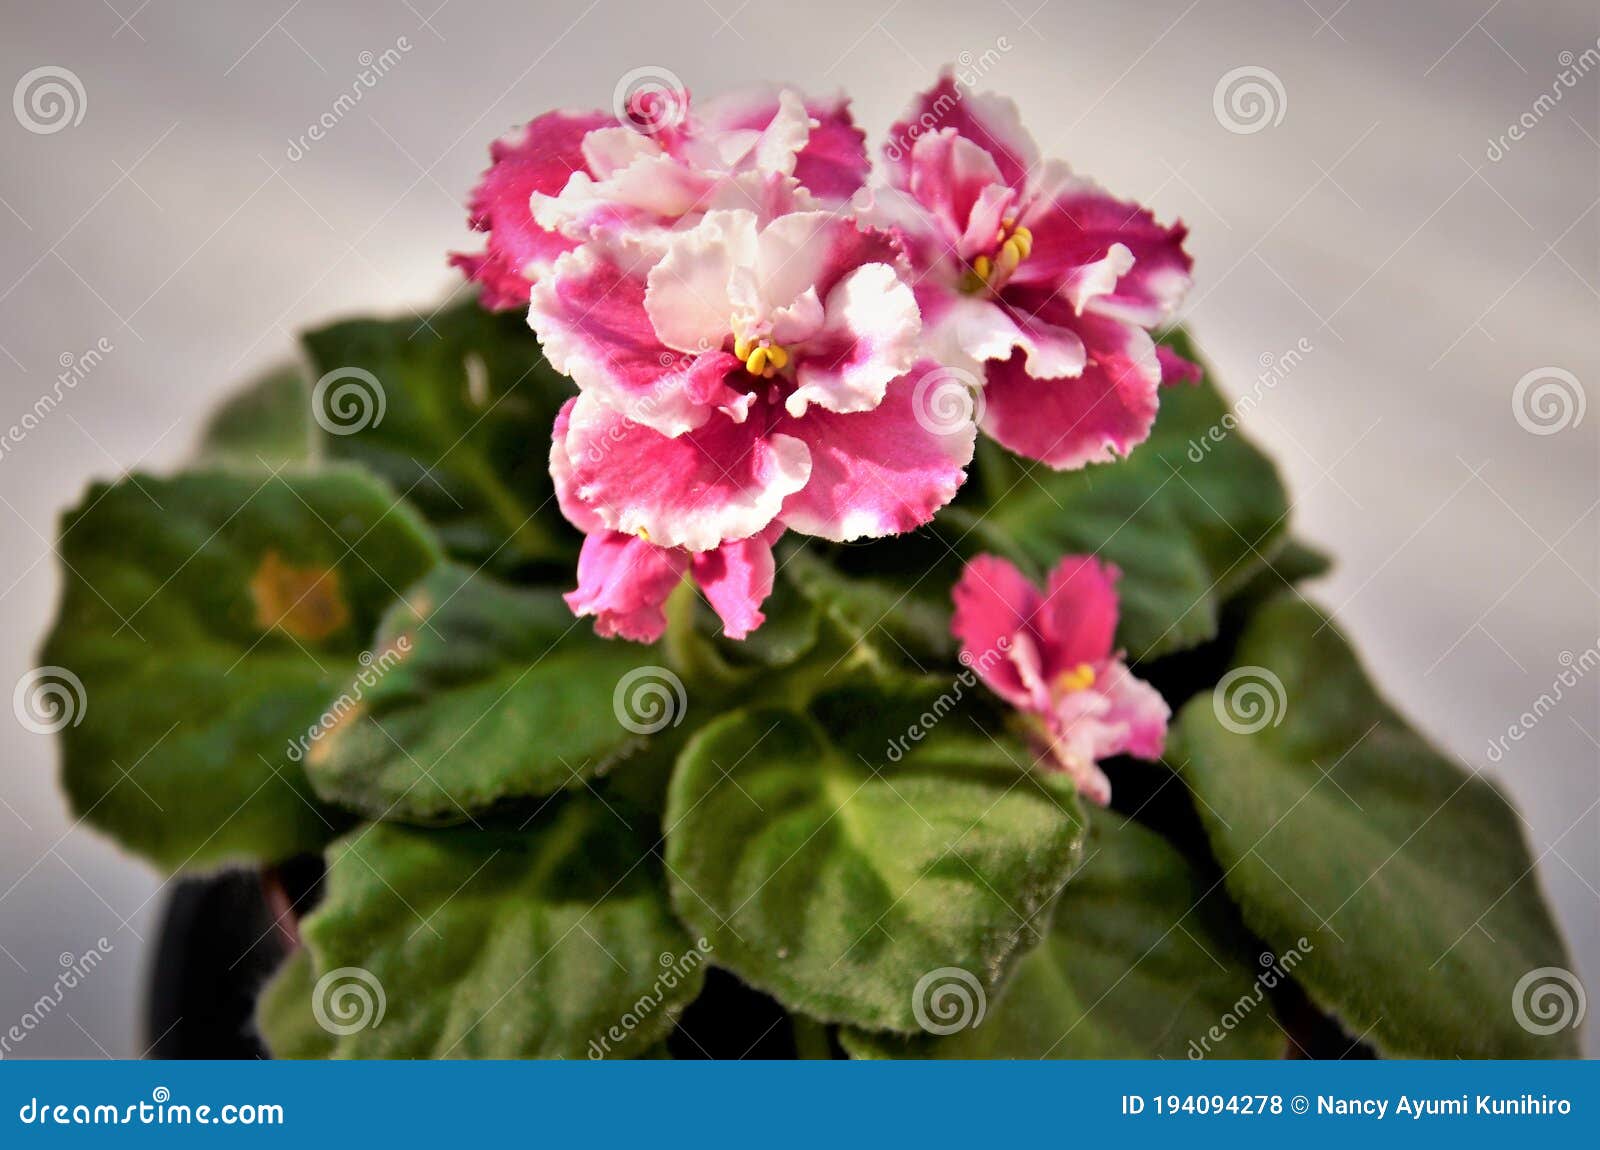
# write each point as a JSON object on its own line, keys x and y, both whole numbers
{"x": 990, "y": 273}
{"x": 1077, "y": 678}
{"x": 761, "y": 357}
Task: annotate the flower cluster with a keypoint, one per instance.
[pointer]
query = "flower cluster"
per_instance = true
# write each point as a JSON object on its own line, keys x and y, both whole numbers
{"x": 755, "y": 336}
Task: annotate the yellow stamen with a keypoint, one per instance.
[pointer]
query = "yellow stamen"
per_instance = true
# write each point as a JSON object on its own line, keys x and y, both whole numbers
{"x": 777, "y": 357}
{"x": 982, "y": 266}
{"x": 1077, "y": 678}
{"x": 741, "y": 348}
{"x": 643, "y": 534}
{"x": 1014, "y": 244}
{"x": 756, "y": 362}
{"x": 1010, "y": 256}
{"x": 1023, "y": 238}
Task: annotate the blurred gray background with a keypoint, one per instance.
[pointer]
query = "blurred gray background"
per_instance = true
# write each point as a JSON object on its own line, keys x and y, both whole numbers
{"x": 1375, "y": 213}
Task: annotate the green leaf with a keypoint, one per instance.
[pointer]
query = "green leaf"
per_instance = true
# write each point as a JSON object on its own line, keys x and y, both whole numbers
{"x": 284, "y": 1016}
{"x": 1142, "y": 961}
{"x": 267, "y": 425}
{"x": 1187, "y": 518}
{"x": 550, "y": 942}
{"x": 210, "y": 618}
{"x": 834, "y": 874}
{"x": 912, "y": 623}
{"x": 1337, "y": 823}
{"x": 458, "y": 421}
{"x": 479, "y": 693}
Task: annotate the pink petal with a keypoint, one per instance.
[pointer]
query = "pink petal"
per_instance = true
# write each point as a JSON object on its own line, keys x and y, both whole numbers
{"x": 1077, "y": 619}
{"x": 1067, "y": 423}
{"x": 870, "y": 325}
{"x": 878, "y": 472}
{"x": 577, "y": 513}
{"x": 1138, "y": 709}
{"x": 992, "y": 122}
{"x": 1176, "y": 369}
{"x": 736, "y": 579}
{"x": 832, "y": 163}
{"x": 1075, "y": 224}
{"x": 959, "y": 184}
{"x": 994, "y": 603}
{"x": 590, "y": 317}
{"x": 721, "y": 481}
{"x": 624, "y": 582}
{"x": 547, "y": 152}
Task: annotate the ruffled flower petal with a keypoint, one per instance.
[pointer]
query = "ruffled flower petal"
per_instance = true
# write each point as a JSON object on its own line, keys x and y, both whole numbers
{"x": 624, "y": 582}
{"x": 878, "y": 472}
{"x": 1093, "y": 418}
{"x": 590, "y": 316}
{"x": 736, "y": 579}
{"x": 721, "y": 481}
{"x": 992, "y": 122}
{"x": 870, "y": 326}
{"x": 994, "y": 604}
{"x": 538, "y": 160}
{"x": 1077, "y": 619}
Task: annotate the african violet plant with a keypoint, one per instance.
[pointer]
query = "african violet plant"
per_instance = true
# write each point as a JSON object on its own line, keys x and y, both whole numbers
{"x": 923, "y": 688}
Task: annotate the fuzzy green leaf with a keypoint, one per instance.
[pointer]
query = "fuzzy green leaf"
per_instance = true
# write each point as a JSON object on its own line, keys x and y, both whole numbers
{"x": 480, "y": 693}
{"x": 1142, "y": 961}
{"x": 834, "y": 878}
{"x": 1336, "y": 822}
{"x": 210, "y": 618}
{"x": 267, "y": 425}
{"x": 458, "y": 421}
{"x": 284, "y": 1015}
{"x": 554, "y": 941}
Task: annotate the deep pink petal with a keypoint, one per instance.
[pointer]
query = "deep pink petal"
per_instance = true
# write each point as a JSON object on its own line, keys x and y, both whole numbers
{"x": 1077, "y": 619}
{"x": 1176, "y": 369}
{"x": 721, "y": 481}
{"x": 1094, "y": 418}
{"x": 736, "y": 579}
{"x": 994, "y": 603}
{"x": 538, "y": 159}
{"x": 878, "y": 472}
{"x": 577, "y": 513}
{"x": 834, "y": 163}
{"x": 959, "y": 184}
{"x": 623, "y": 582}
{"x": 1076, "y": 223}
{"x": 992, "y": 122}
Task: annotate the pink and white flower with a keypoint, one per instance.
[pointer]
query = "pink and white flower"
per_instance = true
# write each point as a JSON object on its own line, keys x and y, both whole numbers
{"x": 1034, "y": 278}
{"x": 1051, "y": 655}
{"x": 752, "y": 373}
{"x": 565, "y": 175}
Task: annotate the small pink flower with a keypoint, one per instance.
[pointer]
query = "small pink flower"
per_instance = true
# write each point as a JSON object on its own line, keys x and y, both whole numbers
{"x": 1050, "y": 654}
{"x": 1033, "y": 278}
{"x": 751, "y": 373}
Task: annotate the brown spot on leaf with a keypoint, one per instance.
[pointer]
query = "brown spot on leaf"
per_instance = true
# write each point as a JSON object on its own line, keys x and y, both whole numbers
{"x": 341, "y": 718}
{"x": 304, "y": 602}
